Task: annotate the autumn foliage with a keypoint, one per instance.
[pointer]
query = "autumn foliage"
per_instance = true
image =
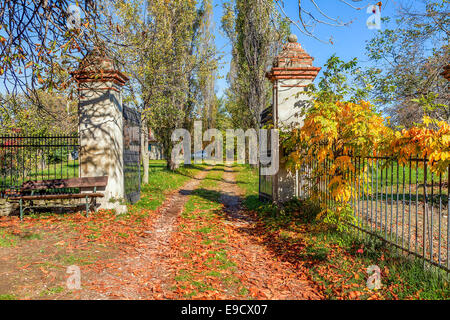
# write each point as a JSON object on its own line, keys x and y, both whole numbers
{"x": 334, "y": 134}
{"x": 430, "y": 141}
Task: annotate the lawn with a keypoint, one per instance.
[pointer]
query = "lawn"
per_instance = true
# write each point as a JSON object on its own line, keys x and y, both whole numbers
{"x": 406, "y": 182}
{"x": 44, "y": 245}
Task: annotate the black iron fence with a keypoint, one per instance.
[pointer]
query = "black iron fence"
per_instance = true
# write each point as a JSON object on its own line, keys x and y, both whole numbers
{"x": 131, "y": 154}
{"x": 406, "y": 205}
{"x": 24, "y": 158}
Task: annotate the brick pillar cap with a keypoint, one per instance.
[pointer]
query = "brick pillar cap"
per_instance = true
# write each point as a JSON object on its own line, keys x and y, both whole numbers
{"x": 293, "y": 63}
{"x": 98, "y": 67}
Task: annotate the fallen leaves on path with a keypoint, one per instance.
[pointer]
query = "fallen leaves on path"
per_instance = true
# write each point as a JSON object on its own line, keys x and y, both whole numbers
{"x": 221, "y": 256}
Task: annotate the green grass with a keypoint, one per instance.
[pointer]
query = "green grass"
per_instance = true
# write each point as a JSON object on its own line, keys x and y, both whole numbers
{"x": 247, "y": 180}
{"x": 389, "y": 178}
{"x": 326, "y": 248}
{"x": 162, "y": 181}
{"x": 32, "y": 236}
{"x": 52, "y": 291}
{"x": 63, "y": 169}
{"x": 7, "y": 297}
{"x": 407, "y": 275}
{"x": 7, "y": 239}
{"x": 184, "y": 275}
{"x": 394, "y": 174}
{"x": 69, "y": 259}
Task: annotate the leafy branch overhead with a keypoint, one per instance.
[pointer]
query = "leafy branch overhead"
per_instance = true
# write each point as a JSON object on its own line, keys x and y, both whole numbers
{"x": 39, "y": 49}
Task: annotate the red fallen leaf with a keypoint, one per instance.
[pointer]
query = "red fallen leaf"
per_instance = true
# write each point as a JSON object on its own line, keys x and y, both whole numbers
{"x": 43, "y": 270}
{"x": 264, "y": 294}
{"x": 373, "y": 297}
{"x": 157, "y": 288}
{"x": 254, "y": 291}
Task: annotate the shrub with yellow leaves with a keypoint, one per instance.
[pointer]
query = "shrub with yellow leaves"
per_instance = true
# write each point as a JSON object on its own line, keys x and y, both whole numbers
{"x": 337, "y": 137}
{"x": 431, "y": 141}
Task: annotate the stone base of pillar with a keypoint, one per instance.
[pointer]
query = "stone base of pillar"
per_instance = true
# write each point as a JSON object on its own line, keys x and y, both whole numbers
{"x": 117, "y": 207}
{"x": 286, "y": 185}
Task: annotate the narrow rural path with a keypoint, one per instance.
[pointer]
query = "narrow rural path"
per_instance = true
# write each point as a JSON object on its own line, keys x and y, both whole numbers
{"x": 149, "y": 269}
{"x": 271, "y": 278}
{"x": 144, "y": 273}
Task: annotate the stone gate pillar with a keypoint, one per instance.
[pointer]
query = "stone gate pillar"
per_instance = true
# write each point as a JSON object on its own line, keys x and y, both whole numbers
{"x": 292, "y": 71}
{"x": 101, "y": 125}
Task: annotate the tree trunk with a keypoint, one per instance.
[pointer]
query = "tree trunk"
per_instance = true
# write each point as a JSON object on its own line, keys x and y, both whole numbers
{"x": 171, "y": 163}
{"x": 144, "y": 151}
{"x": 172, "y": 166}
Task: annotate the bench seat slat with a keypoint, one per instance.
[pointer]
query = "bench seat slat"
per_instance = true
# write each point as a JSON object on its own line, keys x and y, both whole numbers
{"x": 87, "y": 182}
{"x": 59, "y": 196}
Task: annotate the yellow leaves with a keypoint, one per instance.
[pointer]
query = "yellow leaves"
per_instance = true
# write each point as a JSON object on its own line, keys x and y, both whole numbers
{"x": 322, "y": 155}
{"x": 433, "y": 144}
{"x": 340, "y": 189}
{"x": 446, "y": 139}
{"x": 334, "y": 133}
{"x": 445, "y": 156}
{"x": 335, "y": 180}
{"x": 321, "y": 214}
{"x": 427, "y": 120}
{"x": 345, "y": 162}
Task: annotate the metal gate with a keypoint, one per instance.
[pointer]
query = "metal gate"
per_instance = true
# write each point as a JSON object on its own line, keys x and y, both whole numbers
{"x": 131, "y": 154}
{"x": 266, "y": 182}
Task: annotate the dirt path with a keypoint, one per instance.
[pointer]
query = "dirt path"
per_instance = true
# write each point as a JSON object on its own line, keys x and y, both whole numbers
{"x": 144, "y": 274}
{"x": 264, "y": 273}
{"x": 147, "y": 272}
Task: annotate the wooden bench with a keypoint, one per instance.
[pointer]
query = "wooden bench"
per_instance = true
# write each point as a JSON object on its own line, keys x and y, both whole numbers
{"x": 29, "y": 188}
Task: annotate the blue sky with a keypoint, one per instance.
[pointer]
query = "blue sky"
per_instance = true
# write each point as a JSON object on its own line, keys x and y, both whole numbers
{"x": 348, "y": 42}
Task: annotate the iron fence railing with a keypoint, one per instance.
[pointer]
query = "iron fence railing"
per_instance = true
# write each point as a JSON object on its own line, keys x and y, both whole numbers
{"x": 132, "y": 154}
{"x": 24, "y": 158}
{"x": 406, "y": 205}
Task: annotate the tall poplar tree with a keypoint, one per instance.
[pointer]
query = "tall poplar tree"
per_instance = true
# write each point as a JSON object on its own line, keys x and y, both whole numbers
{"x": 256, "y": 31}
